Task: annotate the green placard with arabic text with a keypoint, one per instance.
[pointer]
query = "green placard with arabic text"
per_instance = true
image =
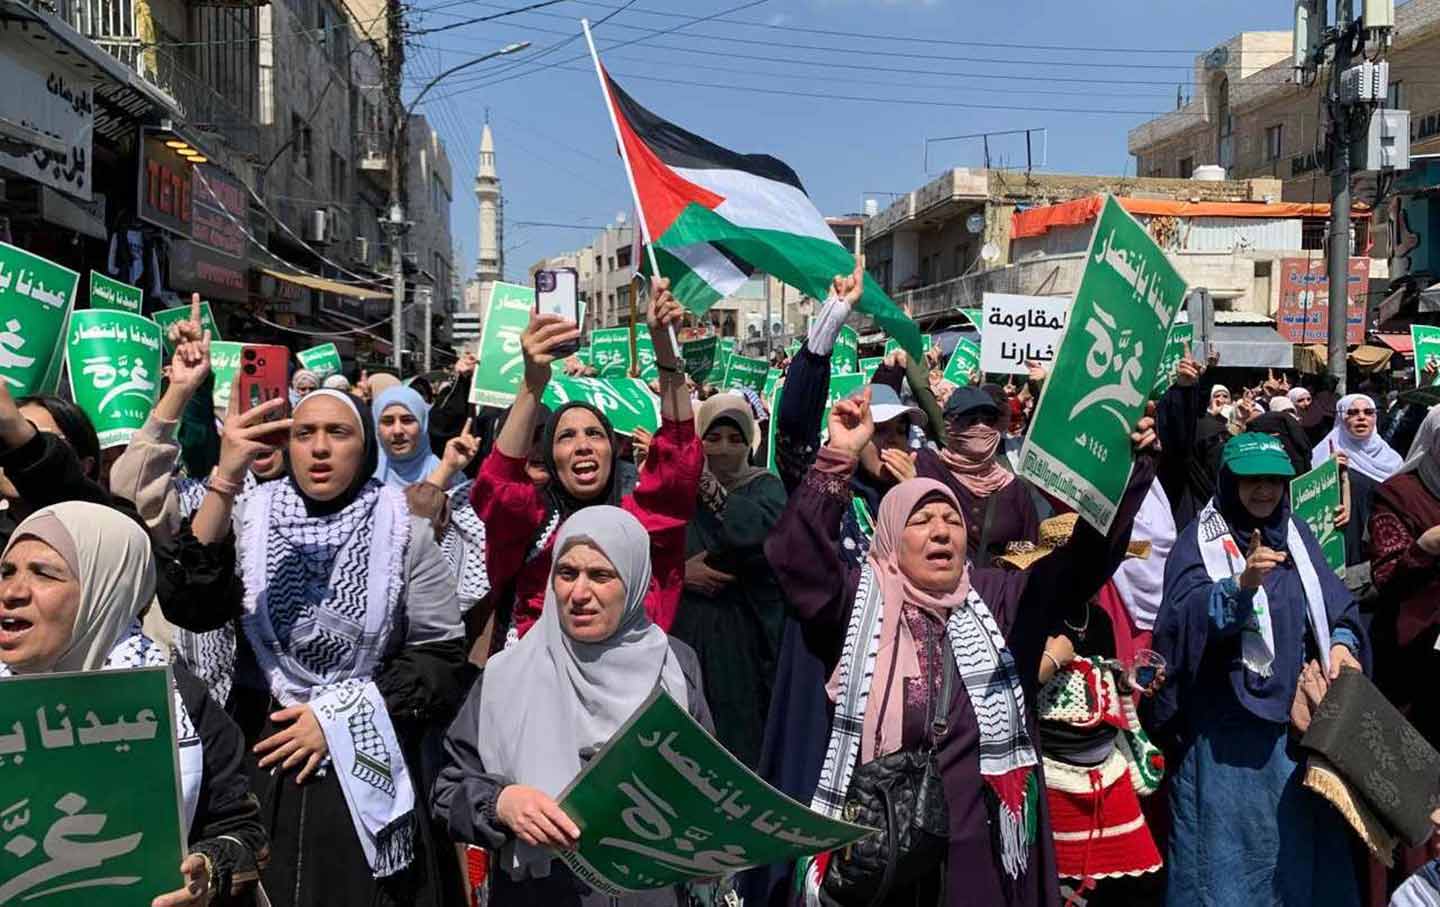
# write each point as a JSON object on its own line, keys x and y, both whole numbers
{"x": 114, "y": 359}
{"x": 167, "y": 317}
{"x": 323, "y": 360}
{"x": 108, "y": 293}
{"x": 964, "y": 361}
{"x": 869, "y": 365}
{"x": 845, "y": 357}
{"x": 1315, "y": 498}
{"x": 700, "y": 357}
{"x": 626, "y": 402}
{"x": 1426, "y": 341}
{"x": 976, "y": 317}
{"x": 743, "y": 371}
{"x": 611, "y": 356}
{"x": 90, "y": 806}
{"x": 224, "y": 363}
{"x": 663, "y": 803}
{"x": 36, "y": 297}
{"x": 1181, "y": 336}
{"x": 1078, "y": 447}
{"x": 500, "y": 365}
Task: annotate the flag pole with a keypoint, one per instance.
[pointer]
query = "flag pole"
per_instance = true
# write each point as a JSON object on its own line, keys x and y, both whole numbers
{"x": 629, "y": 174}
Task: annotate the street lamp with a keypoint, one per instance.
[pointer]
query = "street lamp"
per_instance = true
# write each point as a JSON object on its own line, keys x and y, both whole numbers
{"x": 399, "y": 136}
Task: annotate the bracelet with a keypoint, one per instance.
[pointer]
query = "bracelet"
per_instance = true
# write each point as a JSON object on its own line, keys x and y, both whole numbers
{"x": 1053, "y": 661}
{"x": 221, "y": 485}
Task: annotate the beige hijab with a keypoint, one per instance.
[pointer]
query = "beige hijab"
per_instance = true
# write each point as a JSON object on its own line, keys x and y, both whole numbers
{"x": 110, "y": 556}
{"x": 737, "y": 409}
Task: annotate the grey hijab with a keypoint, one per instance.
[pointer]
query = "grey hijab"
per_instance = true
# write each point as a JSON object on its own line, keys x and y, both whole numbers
{"x": 549, "y": 697}
{"x": 1424, "y": 456}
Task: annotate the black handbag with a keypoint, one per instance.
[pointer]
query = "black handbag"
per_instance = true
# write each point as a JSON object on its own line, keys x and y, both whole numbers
{"x": 901, "y": 795}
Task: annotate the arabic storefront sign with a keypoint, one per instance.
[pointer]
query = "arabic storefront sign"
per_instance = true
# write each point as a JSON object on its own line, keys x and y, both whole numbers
{"x": 845, "y": 358}
{"x": 216, "y": 263}
{"x": 53, "y": 99}
{"x": 165, "y": 186}
{"x": 500, "y": 363}
{"x": 114, "y": 361}
{"x": 106, "y": 293}
{"x": 72, "y": 835}
{"x": 167, "y": 317}
{"x": 194, "y": 268}
{"x": 964, "y": 360}
{"x": 36, "y": 296}
{"x": 1304, "y": 312}
{"x": 742, "y": 371}
{"x": 323, "y": 360}
{"x": 1078, "y": 448}
{"x": 1179, "y": 339}
{"x": 1426, "y": 341}
{"x": 700, "y": 357}
{"x": 1021, "y": 329}
{"x": 611, "y": 354}
{"x": 224, "y": 363}
{"x": 626, "y": 402}
{"x": 1315, "y": 498}
{"x": 663, "y": 804}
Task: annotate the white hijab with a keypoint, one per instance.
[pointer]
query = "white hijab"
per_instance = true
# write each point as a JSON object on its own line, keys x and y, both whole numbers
{"x": 1372, "y": 456}
{"x": 110, "y": 556}
{"x": 1141, "y": 580}
{"x": 549, "y": 696}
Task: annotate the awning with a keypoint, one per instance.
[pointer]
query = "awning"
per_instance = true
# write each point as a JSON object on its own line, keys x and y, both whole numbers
{"x": 1252, "y": 346}
{"x": 1037, "y": 221}
{"x": 1400, "y": 343}
{"x": 328, "y": 286}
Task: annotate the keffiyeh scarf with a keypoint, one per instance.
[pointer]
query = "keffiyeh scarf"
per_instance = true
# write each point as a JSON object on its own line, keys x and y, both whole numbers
{"x": 321, "y": 599}
{"x": 986, "y": 668}
{"x": 464, "y": 548}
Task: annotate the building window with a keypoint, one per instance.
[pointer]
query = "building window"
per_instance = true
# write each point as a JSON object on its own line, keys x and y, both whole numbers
{"x": 1274, "y": 141}
{"x": 300, "y": 138}
{"x": 1312, "y": 233}
{"x": 1394, "y": 96}
{"x": 611, "y": 261}
{"x": 622, "y": 257}
{"x": 622, "y": 299}
{"x": 1187, "y": 167}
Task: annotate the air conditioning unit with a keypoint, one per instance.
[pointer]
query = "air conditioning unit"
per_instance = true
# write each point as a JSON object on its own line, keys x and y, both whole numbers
{"x": 316, "y": 226}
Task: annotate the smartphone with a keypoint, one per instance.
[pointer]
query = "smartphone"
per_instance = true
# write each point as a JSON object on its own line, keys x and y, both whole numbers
{"x": 557, "y": 292}
{"x": 263, "y": 376}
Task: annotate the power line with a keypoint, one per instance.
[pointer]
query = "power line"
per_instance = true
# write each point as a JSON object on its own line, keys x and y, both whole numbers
{"x": 523, "y": 9}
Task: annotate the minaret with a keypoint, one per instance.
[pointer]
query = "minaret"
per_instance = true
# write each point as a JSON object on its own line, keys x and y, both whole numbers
{"x": 490, "y": 266}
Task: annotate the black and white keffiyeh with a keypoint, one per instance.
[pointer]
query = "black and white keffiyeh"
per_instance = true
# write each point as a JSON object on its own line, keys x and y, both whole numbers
{"x": 464, "y": 548}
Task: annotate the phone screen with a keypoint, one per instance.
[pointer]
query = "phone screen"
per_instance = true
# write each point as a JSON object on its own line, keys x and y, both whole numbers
{"x": 557, "y": 292}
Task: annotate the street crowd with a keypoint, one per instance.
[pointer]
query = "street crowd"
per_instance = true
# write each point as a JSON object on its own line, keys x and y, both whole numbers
{"x": 401, "y": 626}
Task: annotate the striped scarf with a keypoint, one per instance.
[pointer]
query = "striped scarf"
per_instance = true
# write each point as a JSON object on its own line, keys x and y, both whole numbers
{"x": 986, "y": 668}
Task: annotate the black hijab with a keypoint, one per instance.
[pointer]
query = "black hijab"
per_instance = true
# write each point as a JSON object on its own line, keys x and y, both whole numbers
{"x": 363, "y": 474}
{"x": 1286, "y": 429}
{"x": 622, "y": 474}
{"x": 1274, "y": 530}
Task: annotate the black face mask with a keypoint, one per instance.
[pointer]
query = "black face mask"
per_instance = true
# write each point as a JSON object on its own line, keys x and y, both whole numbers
{"x": 363, "y": 474}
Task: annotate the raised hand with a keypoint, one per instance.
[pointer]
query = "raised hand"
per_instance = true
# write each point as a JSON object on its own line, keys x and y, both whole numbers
{"x": 460, "y": 450}
{"x": 1259, "y": 561}
{"x": 1144, "y": 438}
{"x": 1188, "y": 372}
{"x": 465, "y": 364}
{"x": 196, "y": 873}
{"x": 899, "y": 463}
{"x": 851, "y": 424}
{"x": 852, "y": 286}
{"x": 545, "y": 334}
{"x": 190, "y": 365}
{"x": 247, "y": 436}
{"x": 664, "y": 316}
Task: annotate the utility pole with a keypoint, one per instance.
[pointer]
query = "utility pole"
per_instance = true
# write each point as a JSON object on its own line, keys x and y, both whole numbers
{"x": 1338, "y": 245}
{"x": 427, "y": 296}
{"x": 395, "y": 213}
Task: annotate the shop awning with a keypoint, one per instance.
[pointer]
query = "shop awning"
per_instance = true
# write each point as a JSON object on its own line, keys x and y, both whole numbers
{"x": 328, "y": 286}
{"x": 1252, "y": 346}
{"x": 1037, "y": 221}
{"x": 1400, "y": 343}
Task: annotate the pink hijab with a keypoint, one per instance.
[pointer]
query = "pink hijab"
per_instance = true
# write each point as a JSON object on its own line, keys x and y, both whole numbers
{"x": 897, "y": 647}
{"x": 970, "y": 457}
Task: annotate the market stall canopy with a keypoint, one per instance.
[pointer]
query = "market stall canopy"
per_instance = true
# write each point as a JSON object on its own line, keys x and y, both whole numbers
{"x": 1252, "y": 346}
{"x": 1037, "y": 221}
{"x": 328, "y": 286}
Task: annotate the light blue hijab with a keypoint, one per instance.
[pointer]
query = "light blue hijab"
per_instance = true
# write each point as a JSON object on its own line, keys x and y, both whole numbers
{"x": 421, "y": 461}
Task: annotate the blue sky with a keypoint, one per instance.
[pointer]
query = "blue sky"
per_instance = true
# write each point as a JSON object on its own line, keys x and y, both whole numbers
{"x": 555, "y": 148}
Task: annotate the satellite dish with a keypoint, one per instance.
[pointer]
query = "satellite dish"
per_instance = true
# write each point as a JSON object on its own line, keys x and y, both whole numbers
{"x": 989, "y": 252}
{"x": 1217, "y": 58}
{"x": 975, "y": 223}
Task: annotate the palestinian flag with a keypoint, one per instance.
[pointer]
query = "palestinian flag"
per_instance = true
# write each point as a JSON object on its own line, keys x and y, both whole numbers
{"x": 714, "y": 216}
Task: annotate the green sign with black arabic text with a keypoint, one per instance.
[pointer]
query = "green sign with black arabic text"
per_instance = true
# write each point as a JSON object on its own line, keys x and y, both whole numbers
{"x": 663, "y": 804}
{"x": 323, "y": 360}
{"x": 1078, "y": 447}
{"x": 167, "y": 317}
{"x": 611, "y": 352}
{"x": 1315, "y": 498}
{"x": 36, "y": 297}
{"x": 107, "y": 293}
{"x": 90, "y": 806}
{"x": 700, "y": 357}
{"x": 742, "y": 371}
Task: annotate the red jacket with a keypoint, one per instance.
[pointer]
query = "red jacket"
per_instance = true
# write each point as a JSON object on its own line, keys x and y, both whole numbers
{"x": 513, "y": 511}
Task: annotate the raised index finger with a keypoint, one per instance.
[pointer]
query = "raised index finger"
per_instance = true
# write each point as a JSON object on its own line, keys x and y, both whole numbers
{"x": 195, "y": 307}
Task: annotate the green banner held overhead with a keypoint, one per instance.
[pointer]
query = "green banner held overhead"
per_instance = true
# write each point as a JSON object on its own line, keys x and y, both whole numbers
{"x": 1426, "y": 340}
{"x": 1315, "y": 498}
{"x": 626, "y": 402}
{"x": 700, "y": 357}
{"x": 891, "y": 344}
{"x": 224, "y": 363}
{"x": 75, "y": 835}
{"x": 500, "y": 364}
{"x": 167, "y": 317}
{"x": 664, "y": 804}
{"x": 964, "y": 362}
{"x": 1181, "y": 336}
{"x": 106, "y": 293}
{"x": 845, "y": 357}
{"x": 1078, "y": 447}
{"x": 611, "y": 352}
{"x": 114, "y": 360}
{"x": 323, "y": 360}
{"x": 36, "y": 297}
{"x": 841, "y": 386}
{"x": 743, "y": 371}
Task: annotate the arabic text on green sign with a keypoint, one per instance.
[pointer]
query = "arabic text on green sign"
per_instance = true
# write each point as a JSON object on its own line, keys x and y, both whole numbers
{"x": 1181, "y": 336}
{"x": 1078, "y": 447}
{"x": 611, "y": 355}
{"x": 1315, "y": 498}
{"x": 106, "y": 293}
{"x": 663, "y": 804}
{"x": 700, "y": 357}
{"x": 167, "y": 317}
{"x": 114, "y": 361}
{"x": 845, "y": 357}
{"x": 742, "y": 371}
{"x": 71, "y": 824}
{"x": 1426, "y": 341}
{"x": 36, "y": 297}
{"x": 323, "y": 360}
{"x": 626, "y": 402}
{"x": 500, "y": 364}
{"x": 964, "y": 361}
{"x": 224, "y": 363}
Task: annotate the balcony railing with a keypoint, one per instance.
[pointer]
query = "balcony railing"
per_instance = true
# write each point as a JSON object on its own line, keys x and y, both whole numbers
{"x": 372, "y": 152}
